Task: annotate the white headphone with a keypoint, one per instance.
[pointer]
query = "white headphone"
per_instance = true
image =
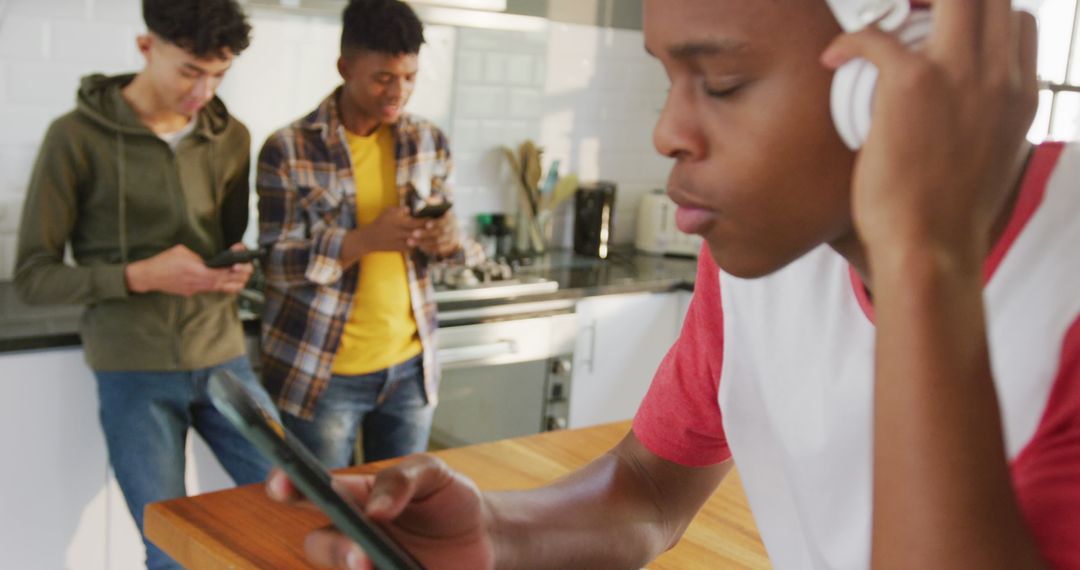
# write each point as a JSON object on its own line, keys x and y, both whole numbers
{"x": 853, "y": 84}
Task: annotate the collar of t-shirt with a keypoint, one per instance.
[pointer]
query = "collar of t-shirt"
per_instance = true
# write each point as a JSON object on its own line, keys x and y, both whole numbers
{"x": 173, "y": 139}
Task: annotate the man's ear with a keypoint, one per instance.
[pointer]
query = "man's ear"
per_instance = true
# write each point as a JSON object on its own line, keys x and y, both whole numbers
{"x": 144, "y": 42}
{"x": 343, "y": 67}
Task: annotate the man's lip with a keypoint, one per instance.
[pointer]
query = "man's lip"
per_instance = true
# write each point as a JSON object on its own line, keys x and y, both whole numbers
{"x": 690, "y": 216}
{"x": 693, "y": 220}
{"x": 679, "y": 197}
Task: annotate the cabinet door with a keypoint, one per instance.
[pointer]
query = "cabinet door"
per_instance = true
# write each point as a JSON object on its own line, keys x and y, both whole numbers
{"x": 52, "y": 486}
{"x": 621, "y": 340}
{"x": 61, "y": 506}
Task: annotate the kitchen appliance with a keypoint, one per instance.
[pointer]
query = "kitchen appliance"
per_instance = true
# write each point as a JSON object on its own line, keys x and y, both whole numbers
{"x": 489, "y": 280}
{"x": 506, "y": 371}
{"x": 656, "y": 231}
{"x": 505, "y": 359}
{"x": 594, "y": 219}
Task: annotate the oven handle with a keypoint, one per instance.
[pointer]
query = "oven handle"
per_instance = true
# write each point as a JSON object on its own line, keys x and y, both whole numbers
{"x": 476, "y": 352}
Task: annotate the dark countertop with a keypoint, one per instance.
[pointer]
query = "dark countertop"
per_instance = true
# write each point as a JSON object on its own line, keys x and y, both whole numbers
{"x": 27, "y": 328}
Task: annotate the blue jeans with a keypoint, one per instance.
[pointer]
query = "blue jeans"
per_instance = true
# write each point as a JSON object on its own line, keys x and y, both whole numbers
{"x": 390, "y": 404}
{"x": 146, "y": 416}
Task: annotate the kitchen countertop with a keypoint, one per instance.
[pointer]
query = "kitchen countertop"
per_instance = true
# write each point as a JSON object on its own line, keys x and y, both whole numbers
{"x": 24, "y": 327}
{"x": 242, "y": 529}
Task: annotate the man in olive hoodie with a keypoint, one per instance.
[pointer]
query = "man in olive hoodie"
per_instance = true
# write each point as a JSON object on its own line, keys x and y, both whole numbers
{"x": 146, "y": 178}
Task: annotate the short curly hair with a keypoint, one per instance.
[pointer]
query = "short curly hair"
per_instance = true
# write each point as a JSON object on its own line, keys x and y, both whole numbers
{"x": 202, "y": 27}
{"x": 384, "y": 26}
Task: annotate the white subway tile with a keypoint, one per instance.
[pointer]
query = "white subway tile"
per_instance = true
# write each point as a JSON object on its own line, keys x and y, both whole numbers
{"x": 465, "y": 136}
{"x": 571, "y": 73}
{"x": 52, "y": 85}
{"x": 482, "y": 40}
{"x": 517, "y": 131}
{"x": 481, "y": 102}
{"x": 519, "y": 69}
{"x": 124, "y": 11}
{"x": 23, "y": 38}
{"x": 106, "y": 45}
{"x": 23, "y": 124}
{"x": 16, "y": 164}
{"x": 470, "y": 67}
{"x": 49, "y": 8}
{"x": 10, "y": 210}
{"x": 477, "y": 168}
{"x": 493, "y": 134}
{"x": 504, "y": 41}
{"x": 539, "y": 71}
{"x": 526, "y": 103}
{"x": 495, "y": 67}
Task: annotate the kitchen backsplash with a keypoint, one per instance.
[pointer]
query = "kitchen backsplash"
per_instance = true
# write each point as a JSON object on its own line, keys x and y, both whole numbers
{"x": 588, "y": 95}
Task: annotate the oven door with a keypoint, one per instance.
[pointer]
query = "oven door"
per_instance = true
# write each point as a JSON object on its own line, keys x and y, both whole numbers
{"x": 502, "y": 379}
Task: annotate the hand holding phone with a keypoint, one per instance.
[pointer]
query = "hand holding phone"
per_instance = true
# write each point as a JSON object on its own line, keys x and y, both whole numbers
{"x": 431, "y": 210}
{"x": 271, "y": 438}
{"x": 231, "y": 257}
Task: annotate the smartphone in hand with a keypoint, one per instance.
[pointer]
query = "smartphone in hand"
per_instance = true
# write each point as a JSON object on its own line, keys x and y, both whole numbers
{"x": 231, "y": 257}
{"x": 431, "y": 210}
{"x": 260, "y": 427}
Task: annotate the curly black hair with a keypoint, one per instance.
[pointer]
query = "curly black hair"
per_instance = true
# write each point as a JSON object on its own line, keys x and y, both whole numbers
{"x": 384, "y": 26}
{"x": 203, "y": 27}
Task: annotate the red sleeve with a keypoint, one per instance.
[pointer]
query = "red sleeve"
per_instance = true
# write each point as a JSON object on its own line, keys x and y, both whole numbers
{"x": 679, "y": 419}
{"x": 1046, "y": 474}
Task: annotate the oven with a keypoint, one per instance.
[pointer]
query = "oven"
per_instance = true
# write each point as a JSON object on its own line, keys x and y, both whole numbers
{"x": 506, "y": 366}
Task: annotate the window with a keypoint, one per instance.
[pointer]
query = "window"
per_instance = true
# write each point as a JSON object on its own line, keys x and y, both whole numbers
{"x": 1058, "y": 117}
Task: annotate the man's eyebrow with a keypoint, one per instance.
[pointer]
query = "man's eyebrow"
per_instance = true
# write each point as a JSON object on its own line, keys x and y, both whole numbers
{"x": 198, "y": 69}
{"x": 692, "y": 49}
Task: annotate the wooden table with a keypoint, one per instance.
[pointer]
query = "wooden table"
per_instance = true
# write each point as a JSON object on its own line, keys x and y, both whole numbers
{"x": 242, "y": 529}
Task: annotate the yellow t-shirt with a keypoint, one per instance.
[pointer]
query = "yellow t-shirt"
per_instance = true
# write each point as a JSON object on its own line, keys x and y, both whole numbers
{"x": 381, "y": 330}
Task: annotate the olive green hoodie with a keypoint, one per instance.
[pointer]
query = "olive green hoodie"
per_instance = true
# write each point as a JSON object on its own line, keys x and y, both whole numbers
{"x": 116, "y": 192}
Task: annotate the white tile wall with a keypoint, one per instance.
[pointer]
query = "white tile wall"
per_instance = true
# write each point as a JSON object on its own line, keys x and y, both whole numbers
{"x": 45, "y": 47}
{"x": 112, "y": 43}
{"x": 23, "y": 38}
{"x": 591, "y": 102}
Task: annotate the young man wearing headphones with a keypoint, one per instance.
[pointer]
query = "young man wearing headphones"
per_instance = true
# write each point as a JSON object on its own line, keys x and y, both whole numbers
{"x": 886, "y": 342}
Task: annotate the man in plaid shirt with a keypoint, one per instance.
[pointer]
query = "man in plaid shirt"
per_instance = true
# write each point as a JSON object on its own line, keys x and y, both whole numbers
{"x": 349, "y": 324}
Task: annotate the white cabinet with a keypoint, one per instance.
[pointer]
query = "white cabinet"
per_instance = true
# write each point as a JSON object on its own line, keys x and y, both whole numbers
{"x": 61, "y": 507}
{"x": 53, "y": 479}
{"x": 621, "y": 340}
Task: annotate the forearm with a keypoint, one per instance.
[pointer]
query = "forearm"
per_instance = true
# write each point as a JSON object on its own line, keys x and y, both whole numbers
{"x": 613, "y": 513}
{"x": 40, "y": 281}
{"x": 942, "y": 492}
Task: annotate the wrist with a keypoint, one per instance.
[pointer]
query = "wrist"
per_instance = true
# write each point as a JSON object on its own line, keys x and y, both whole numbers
{"x": 354, "y": 246}
{"x": 135, "y": 277}
{"x": 498, "y": 531}
{"x": 914, "y": 264}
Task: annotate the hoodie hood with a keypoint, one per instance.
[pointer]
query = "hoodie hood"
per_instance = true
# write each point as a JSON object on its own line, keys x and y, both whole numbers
{"x": 101, "y": 100}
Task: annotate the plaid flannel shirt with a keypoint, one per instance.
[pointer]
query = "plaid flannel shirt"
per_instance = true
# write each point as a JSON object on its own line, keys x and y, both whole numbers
{"x": 307, "y": 203}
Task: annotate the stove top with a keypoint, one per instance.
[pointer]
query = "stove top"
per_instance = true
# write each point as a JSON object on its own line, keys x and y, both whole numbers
{"x": 490, "y": 280}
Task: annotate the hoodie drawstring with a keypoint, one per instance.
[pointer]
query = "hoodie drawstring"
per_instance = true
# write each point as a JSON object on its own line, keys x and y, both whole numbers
{"x": 121, "y": 208}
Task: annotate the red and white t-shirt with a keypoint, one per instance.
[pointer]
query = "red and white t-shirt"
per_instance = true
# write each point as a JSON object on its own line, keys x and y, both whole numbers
{"x": 778, "y": 371}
